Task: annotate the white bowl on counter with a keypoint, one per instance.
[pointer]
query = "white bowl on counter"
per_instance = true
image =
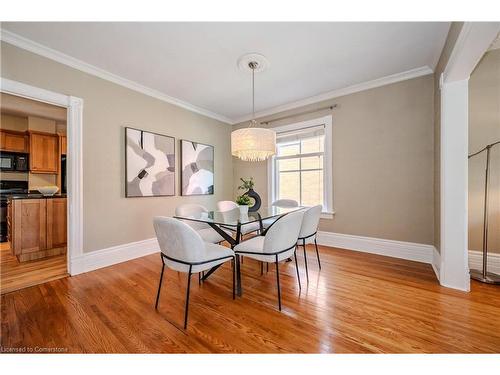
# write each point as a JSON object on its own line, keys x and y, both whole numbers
{"x": 48, "y": 191}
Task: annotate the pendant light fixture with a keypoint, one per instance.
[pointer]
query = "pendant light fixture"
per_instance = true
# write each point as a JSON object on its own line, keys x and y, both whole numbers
{"x": 253, "y": 143}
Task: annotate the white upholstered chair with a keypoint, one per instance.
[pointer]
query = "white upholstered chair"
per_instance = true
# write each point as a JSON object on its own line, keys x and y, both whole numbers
{"x": 308, "y": 231}
{"x": 204, "y": 230}
{"x": 224, "y": 206}
{"x": 183, "y": 250}
{"x": 280, "y": 203}
{"x": 279, "y": 243}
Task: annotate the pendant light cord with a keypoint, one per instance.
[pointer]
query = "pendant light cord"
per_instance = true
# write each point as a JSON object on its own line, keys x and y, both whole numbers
{"x": 253, "y": 65}
{"x": 253, "y": 93}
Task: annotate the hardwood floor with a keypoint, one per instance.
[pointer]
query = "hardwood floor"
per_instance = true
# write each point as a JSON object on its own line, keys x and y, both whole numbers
{"x": 358, "y": 303}
{"x": 16, "y": 275}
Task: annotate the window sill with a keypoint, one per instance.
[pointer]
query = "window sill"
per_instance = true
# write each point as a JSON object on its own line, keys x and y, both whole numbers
{"x": 327, "y": 215}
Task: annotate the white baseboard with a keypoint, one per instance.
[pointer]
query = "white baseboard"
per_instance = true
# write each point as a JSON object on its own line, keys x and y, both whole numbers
{"x": 476, "y": 261}
{"x": 396, "y": 249}
{"x": 436, "y": 263}
{"x": 113, "y": 255}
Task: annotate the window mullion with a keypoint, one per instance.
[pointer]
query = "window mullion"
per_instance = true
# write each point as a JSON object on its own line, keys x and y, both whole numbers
{"x": 300, "y": 174}
{"x": 296, "y": 156}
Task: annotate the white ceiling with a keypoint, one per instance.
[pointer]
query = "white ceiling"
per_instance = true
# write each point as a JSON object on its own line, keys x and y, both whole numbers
{"x": 196, "y": 62}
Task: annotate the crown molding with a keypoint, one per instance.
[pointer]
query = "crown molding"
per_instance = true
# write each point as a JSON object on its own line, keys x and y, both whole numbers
{"x": 398, "y": 77}
{"x": 495, "y": 44}
{"x": 39, "y": 49}
{"x": 472, "y": 43}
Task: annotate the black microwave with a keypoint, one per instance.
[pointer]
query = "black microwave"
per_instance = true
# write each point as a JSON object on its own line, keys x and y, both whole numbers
{"x": 13, "y": 162}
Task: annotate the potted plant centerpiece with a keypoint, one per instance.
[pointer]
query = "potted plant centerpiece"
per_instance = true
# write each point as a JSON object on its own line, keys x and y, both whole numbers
{"x": 251, "y": 193}
{"x": 243, "y": 201}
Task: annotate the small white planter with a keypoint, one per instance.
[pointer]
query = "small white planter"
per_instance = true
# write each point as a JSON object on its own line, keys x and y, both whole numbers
{"x": 243, "y": 209}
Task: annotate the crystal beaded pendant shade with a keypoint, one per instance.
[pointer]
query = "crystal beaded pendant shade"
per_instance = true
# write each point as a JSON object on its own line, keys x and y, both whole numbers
{"x": 253, "y": 143}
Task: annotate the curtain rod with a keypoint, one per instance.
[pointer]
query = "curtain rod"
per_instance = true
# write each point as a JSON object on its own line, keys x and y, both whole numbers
{"x": 485, "y": 147}
{"x": 301, "y": 113}
{"x": 301, "y": 129}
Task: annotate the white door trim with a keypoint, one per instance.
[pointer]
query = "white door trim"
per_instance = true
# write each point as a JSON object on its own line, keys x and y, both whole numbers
{"x": 454, "y": 269}
{"x": 74, "y": 107}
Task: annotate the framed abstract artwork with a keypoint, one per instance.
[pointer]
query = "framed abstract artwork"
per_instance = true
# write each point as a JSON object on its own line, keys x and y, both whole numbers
{"x": 197, "y": 161}
{"x": 149, "y": 164}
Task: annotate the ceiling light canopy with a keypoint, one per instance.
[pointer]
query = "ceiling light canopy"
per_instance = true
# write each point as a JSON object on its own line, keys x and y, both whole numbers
{"x": 253, "y": 143}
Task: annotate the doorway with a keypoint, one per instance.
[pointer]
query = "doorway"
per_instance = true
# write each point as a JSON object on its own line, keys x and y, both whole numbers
{"x": 484, "y": 168}
{"x": 68, "y": 212}
{"x": 33, "y": 232}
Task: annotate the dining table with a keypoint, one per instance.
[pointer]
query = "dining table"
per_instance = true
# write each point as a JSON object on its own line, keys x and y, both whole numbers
{"x": 228, "y": 222}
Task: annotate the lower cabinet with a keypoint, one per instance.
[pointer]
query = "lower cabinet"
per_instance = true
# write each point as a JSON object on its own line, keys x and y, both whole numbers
{"x": 37, "y": 228}
{"x": 56, "y": 223}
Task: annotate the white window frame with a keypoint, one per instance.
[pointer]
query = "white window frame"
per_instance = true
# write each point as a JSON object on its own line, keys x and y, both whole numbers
{"x": 327, "y": 121}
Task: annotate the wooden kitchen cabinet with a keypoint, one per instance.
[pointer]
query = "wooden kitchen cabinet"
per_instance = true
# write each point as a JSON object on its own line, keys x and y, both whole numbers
{"x": 44, "y": 152}
{"x": 63, "y": 142}
{"x": 28, "y": 226}
{"x": 13, "y": 141}
{"x": 56, "y": 223}
{"x": 37, "y": 227}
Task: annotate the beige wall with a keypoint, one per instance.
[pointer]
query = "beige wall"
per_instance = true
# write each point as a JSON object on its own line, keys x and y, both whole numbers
{"x": 41, "y": 124}
{"x": 36, "y": 180}
{"x": 383, "y": 162}
{"x": 484, "y": 128}
{"x": 109, "y": 218}
{"x": 13, "y": 176}
{"x": 451, "y": 39}
{"x": 11, "y": 122}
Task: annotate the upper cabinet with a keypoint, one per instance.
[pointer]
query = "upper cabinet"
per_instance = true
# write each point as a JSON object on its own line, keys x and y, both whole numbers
{"x": 13, "y": 141}
{"x": 63, "y": 140}
{"x": 44, "y": 152}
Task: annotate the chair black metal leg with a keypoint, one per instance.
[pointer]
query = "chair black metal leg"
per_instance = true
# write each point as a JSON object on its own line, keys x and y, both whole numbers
{"x": 317, "y": 253}
{"x": 159, "y": 285}
{"x": 278, "y": 282}
{"x": 297, "y": 267}
{"x": 305, "y": 259}
{"x": 234, "y": 277}
{"x": 199, "y": 278}
{"x": 187, "y": 299}
{"x": 238, "y": 276}
{"x": 267, "y": 267}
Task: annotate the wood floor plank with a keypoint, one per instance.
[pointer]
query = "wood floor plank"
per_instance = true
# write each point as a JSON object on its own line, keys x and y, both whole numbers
{"x": 357, "y": 303}
{"x": 15, "y": 275}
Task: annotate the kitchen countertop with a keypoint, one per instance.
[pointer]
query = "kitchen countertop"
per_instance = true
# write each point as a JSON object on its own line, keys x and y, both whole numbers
{"x": 35, "y": 196}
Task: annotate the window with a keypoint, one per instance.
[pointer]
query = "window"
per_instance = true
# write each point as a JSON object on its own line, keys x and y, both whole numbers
{"x": 301, "y": 169}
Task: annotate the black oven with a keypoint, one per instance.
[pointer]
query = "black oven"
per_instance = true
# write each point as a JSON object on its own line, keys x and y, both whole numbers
{"x": 14, "y": 162}
{"x": 8, "y": 188}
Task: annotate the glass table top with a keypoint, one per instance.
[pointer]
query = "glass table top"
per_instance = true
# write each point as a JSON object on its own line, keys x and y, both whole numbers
{"x": 235, "y": 217}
